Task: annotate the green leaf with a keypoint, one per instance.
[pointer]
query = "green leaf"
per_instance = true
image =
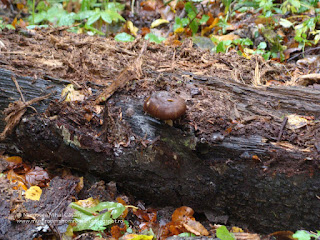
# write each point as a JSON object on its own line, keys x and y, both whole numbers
{"x": 106, "y": 17}
{"x": 115, "y": 208}
{"x": 194, "y": 26}
{"x": 85, "y": 5}
{"x": 42, "y": 6}
{"x": 204, "y": 19}
{"x": 95, "y": 223}
{"x": 190, "y": 9}
{"x": 115, "y": 16}
{"x": 186, "y": 234}
{"x": 303, "y": 235}
{"x": 224, "y": 234}
{"x": 67, "y": 19}
{"x": 285, "y": 23}
{"x": 242, "y": 42}
{"x": 10, "y": 27}
{"x": 95, "y": 17}
{"x": 262, "y": 45}
{"x": 84, "y": 14}
{"x": 39, "y": 17}
{"x": 180, "y": 23}
{"x": 185, "y": 21}
{"x": 124, "y": 37}
{"x": 115, "y": 6}
{"x": 221, "y": 47}
{"x": 95, "y": 218}
{"x": 154, "y": 38}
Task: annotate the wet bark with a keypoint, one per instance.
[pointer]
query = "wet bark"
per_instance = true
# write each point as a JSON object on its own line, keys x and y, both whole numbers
{"x": 175, "y": 167}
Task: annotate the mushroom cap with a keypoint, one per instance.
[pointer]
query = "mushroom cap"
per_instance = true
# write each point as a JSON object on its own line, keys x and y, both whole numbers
{"x": 165, "y": 105}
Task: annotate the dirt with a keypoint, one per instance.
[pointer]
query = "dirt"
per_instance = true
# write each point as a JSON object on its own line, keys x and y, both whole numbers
{"x": 23, "y": 219}
{"x": 91, "y": 63}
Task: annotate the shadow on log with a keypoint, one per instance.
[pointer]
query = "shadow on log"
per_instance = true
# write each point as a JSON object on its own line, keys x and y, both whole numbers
{"x": 248, "y": 179}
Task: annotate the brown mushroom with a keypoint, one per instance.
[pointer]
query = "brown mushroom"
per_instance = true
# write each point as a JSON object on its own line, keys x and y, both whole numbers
{"x": 165, "y": 105}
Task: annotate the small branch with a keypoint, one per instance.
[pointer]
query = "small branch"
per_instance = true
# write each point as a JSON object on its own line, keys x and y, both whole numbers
{"x": 18, "y": 87}
{"x": 285, "y": 120}
{"x": 14, "y": 113}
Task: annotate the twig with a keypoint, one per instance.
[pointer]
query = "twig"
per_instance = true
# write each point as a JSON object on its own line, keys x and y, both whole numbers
{"x": 18, "y": 87}
{"x": 284, "y": 122}
{"x": 14, "y": 113}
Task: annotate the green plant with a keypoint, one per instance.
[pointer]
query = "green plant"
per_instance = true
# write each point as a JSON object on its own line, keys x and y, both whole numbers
{"x": 96, "y": 218}
{"x": 290, "y": 6}
{"x": 93, "y": 14}
{"x": 224, "y": 46}
{"x": 4, "y": 25}
{"x": 305, "y": 235}
{"x": 267, "y": 6}
{"x": 223, "y": 233}
{"x": 154, "y": 38}
{"x": 302, "y": 30}
{"x": 191, "y": 20}
{"x": 223, "y": 24}
{"x": 124, "y": 37}
{"x": 186, "y": 234}
{"x": 226, "y": 4}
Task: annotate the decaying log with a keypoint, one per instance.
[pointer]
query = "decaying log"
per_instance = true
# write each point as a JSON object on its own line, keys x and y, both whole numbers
{"x": 248, "y": 180}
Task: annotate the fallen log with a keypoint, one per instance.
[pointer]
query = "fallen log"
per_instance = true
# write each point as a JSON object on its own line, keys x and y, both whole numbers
{"x": 232, "y": 157}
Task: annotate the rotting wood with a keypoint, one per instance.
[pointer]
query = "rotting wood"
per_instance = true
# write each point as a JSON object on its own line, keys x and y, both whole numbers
{"x": 217, "y": 175}
{"x": 132, "y": 71}
{"x": 14, "y": 112}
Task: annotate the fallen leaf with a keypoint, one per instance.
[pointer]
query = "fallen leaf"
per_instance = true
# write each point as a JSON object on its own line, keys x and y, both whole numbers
{"x": 133, "y": 30}
{"x": 145, "y": 31}
{"x": 16, "y": 178}
{"x": 148, "y": 5}
{"x": 80, "y": 185}
{"x": 283, "y": 235}
{"x": 14, "y": 159}
{"x": 33, "y": 193}
{"x": 195, "y": 227}
{"x": 182, "y": 214}
{"x": 37, "y": 176}
{"x": 236, "y": 229}
{"x": 295, "y": 121}
{"x": 226, "y": 37}
{"x": 70, "y": 94}
{"x": 88, "y": 203}
{"x": 158, "y": 22}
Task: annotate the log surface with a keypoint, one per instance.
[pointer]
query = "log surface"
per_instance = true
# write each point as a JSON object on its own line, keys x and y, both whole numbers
{"x": 165, "y": 165}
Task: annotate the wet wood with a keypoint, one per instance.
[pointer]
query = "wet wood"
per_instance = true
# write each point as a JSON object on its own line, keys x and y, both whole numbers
{"x": 166, "y": 165}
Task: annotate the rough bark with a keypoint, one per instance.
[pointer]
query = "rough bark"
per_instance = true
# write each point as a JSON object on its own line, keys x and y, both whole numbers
{"x": 177, "y": 167}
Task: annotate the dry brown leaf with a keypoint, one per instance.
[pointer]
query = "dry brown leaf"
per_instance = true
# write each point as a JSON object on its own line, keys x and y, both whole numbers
{"x": 195, "y": 227}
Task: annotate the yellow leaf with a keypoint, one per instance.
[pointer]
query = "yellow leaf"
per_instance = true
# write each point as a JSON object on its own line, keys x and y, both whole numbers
{"x": 133, "y": 30}
{"x": 142, "y": 237}
{"x": 80, "y": 184}
{"x": 87, "y": 203}
{"x": 136, "y": 237}
{"x": 71, "y": 94}
{"x": 295, "y": 121}
{"x": 236, "y": 230}
{"x": 158, "y": 22}
{"x": 33, "y": 193}
{"x": 226, "y": 37}
{"x": 14, "y": 159}
{"x": 179, "y": 30}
